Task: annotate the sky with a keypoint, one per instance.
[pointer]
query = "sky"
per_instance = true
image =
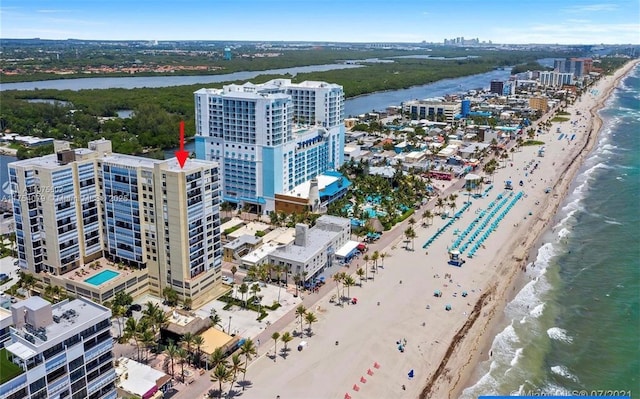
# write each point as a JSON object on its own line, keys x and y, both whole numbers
{"x": 500, "y": 21}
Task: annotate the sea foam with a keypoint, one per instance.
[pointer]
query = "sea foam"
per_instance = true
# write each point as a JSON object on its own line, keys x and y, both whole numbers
{"x": 559, "y": 334}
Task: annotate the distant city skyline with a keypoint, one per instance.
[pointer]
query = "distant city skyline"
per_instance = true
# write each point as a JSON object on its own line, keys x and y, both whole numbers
{"x": 411, "y": 21}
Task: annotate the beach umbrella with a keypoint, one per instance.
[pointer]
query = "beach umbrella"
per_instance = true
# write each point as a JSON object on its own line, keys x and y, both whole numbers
{"x": 464, "y": 293}
{"x": 376, "y": 365}
{"x": 447, "y": 307}
{"x": 411, "y": 373}
{"x": 356, "y": 387}
{"x": 369, "y": 372}
{"x": 347, "y": 396}
{"x": 363, "y": 380}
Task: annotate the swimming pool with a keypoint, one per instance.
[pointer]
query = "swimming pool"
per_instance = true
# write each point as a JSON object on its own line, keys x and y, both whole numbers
{"x": 101, "y": 277}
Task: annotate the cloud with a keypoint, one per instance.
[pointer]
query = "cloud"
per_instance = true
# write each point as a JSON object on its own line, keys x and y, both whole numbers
{"x": 592, "y": 8}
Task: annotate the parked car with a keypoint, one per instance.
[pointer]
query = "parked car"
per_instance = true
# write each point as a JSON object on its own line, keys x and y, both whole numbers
{"x": 227, "y": 280}
{"x": 3, "y": 277}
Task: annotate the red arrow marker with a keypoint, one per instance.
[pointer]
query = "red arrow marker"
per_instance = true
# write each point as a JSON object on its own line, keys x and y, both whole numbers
{"x": 181, "y": 154}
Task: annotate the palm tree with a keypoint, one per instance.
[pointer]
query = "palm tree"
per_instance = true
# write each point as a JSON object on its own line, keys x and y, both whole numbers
{"x": 27, "y": 281}
{"x": 453, "y": 207}
{"x": 215, "y": 318}
{"x": 187, "y": 341}
{"x": 440, "y": 204}
{"x": 221, "y": 374}
{"x": 171, "y": 351}
{"x": 348, "y": 281}
{"x": 148, "y": 340}
{"x": 310, "y": 318}
{"x": 182, "y": 356}
{"x": 275, "y": 336}
{"x": 410, "y": 234}
{"x": 365, "y": 258}
{"x": 286, "y": 338}
{"x": 244, "y": 288}
{"x": 300, "y": 312}
{"x": 235, "y": 367}
{"x": 278, "y": 270}
{"x": 382, "y": 256}
{"x": 234, "y": 270}
{"x": 217, "y": 357}
{"x": 297, "y": 279}
{"x": 198, "y": 341}
{"x": 118, "y": 311}
{"x": 131, "y": 331}
{"x": 374, "y": 259}
{"x": 247, "y": 349}
{"x": 360, "y": 273}
{"x": 337, "y": 278}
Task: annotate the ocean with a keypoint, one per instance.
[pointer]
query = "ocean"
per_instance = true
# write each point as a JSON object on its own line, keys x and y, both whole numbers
{"x": 575, "y": 325}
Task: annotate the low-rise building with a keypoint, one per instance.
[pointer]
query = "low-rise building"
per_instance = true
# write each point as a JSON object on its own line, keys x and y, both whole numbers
{"x": 314, "y": 248}
{"x": 139, "y": 380}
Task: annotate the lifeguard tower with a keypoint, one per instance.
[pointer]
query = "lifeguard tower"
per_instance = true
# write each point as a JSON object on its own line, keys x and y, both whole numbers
{"x": 455, "y": 259}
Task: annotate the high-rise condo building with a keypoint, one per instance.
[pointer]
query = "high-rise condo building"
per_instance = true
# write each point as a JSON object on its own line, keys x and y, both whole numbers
{"x": 78, "y": 206}
{"x": 269, "y": 138}
{"x": 58, "y": 351}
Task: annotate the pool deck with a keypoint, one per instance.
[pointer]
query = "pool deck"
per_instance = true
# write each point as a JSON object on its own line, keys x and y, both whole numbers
{"x": 87, "y": 271}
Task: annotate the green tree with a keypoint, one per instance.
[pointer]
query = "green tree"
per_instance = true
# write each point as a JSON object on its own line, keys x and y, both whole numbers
{"x": 221, "y": 374}
{"x": 235, "y": 367}
{"x": 172, "y": 351}
{"x": 248, "y": 349}
{"x": 275, "y": 336}
{"x": 300, "y": 312}
{"x": 310, "y": 318}
{"x": 286, "y": 338}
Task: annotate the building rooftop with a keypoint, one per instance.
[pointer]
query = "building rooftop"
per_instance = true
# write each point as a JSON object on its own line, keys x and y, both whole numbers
{"x": 257, "y": 255}
{"x": 280, "y": 236}
{"x": 249, "y": 229}
{"x": 242, "y": 240}
{"x": 233, "y": 222}
{"x": 75, "y": 315}
{"x": 139, "y": 379}
{"x": 316, "y": 240}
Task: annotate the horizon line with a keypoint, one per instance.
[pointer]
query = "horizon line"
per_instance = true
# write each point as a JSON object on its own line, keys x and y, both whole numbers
{"x": 321, "y": 41}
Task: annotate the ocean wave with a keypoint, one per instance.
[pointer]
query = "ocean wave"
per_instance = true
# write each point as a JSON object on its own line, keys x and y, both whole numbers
{"x": 613, "y": 222}
{"x": 486, "y": 385}
{"x": 563, "y": 233}
{"x": 537, "y": 311}
{"x": 559, "y": 334}
{"x": 517, "y": 357}
{"x": 564, "y": 372}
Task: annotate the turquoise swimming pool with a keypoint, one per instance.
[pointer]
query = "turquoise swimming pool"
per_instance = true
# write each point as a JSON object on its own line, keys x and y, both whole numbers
{"x": 101, "y": 277}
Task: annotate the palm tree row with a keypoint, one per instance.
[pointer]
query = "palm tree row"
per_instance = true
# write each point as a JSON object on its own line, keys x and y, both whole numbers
{"x": 144, "y": 332}
{"x": 225, "y": 371}
{"x": 309, "y": 317}
{"x": 347, "y": 282}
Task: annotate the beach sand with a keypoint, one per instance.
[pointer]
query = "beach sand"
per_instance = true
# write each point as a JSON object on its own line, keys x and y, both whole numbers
{"x": 443, "y": 347}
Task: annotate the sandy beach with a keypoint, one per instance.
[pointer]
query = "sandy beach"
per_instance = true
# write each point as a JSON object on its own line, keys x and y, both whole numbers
{"x": 354, "y": 349}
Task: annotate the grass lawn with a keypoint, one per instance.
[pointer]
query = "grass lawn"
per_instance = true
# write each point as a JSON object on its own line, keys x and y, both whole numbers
{"x": 560, "y": 119}
{"x": 8, "y": 370}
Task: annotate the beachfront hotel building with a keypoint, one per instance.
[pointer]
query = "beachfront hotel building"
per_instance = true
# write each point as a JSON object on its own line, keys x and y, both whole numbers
{"x": 76, "y": 207}
{"x": 268, "y": 138}
{"x": 555, "y": 79}
{"x": 433, "y": 109}
{"x": 58, "y": 351}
